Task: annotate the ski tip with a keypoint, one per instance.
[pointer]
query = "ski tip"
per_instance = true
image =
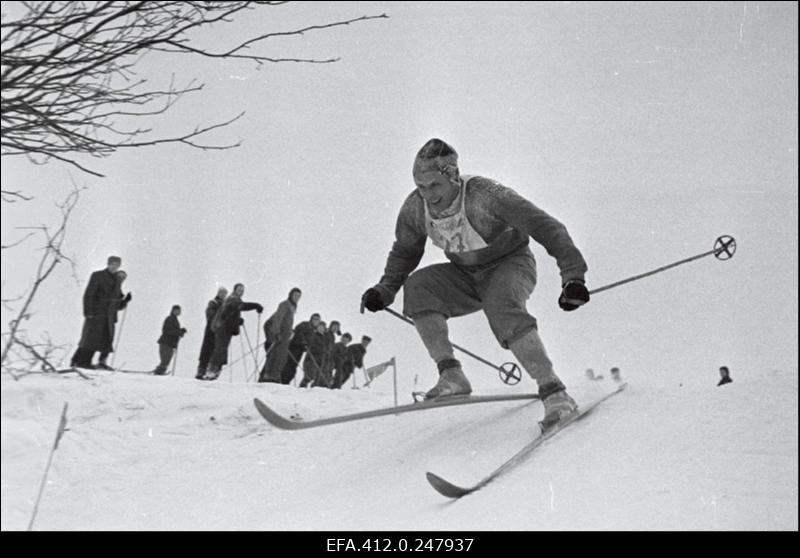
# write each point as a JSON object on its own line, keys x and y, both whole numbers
{"x": 274, "y": 418}
{"x": 444, "y": 487}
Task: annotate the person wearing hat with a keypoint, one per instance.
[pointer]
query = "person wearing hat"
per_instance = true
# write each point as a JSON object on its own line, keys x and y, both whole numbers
{"x": 484, "y": 229}
{"x": 101, "y": 301}
{"x": 355, "y": 357}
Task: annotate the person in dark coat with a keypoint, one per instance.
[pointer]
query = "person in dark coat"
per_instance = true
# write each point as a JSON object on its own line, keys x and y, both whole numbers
{"x": 328, "y": 363}
{"x": 100, "y": 300}
{"x": 171, "y": 333}
{"x": 355, "y": 357}
{"x": 227, "y": 324}
{"x": 342, "y": 361}
{"x": 115, "y": 306}
{"x": 277, "y": 333}
{"x": 297, "y": 346}
{"x": 207, "y": 349}
{"x": 315, "y": 352}
{"x": 725, "y": 376}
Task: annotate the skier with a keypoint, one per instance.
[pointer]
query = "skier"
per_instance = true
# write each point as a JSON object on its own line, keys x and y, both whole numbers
{"x": 226, "y": 324}
{"x": 101, "y": 300}
{"x": 725, "y": 376}
{"x": 277, "y": 332}
{"x": 207, "y": 348}
{"x": 297, "y": 346}
{"x": 484, "y": 229}
{"x": 171, "y": 333}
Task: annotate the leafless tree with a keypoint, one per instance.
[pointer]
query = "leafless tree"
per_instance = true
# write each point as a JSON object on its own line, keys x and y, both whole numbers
{"x": 42, "y": 351}
{"x": 69, "y": 72}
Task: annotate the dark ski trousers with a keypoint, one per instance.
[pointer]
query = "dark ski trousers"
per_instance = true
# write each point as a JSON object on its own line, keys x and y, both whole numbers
{"x": 165, "y": 353}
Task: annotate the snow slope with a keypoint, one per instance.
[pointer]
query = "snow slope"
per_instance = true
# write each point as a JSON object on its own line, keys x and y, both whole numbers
{"x": 167, "y": 453}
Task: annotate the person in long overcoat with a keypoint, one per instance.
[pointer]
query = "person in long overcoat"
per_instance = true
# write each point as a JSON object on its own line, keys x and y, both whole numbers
{"x": 100, "y": 304}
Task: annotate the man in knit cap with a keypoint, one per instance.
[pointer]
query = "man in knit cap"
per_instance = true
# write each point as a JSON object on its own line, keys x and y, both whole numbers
{"x": 484, "y": 229}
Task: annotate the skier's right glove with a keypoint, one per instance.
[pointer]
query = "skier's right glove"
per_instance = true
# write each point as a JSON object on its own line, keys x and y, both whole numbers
{"x": 573, "y": 295}
{"x": 372, "y": 301}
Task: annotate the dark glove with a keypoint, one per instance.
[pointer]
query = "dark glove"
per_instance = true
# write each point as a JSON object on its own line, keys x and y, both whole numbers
{"x": 573, "y": 294}
{"x": 183, "y": 331}
{"x": 241, "y": 321}
{"x": 259, "y": 308}
{"x": 372, "y": 301}
{"x": 128, "y": 297}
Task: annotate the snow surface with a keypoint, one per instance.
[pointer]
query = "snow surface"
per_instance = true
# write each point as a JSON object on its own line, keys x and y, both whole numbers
{"x": 170, "y": 453}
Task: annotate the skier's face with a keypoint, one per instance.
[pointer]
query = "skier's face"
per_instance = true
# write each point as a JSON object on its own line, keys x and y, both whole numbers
{"x": 437, "y": 189}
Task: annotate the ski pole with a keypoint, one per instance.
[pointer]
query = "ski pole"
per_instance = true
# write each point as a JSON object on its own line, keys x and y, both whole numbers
{"x": 174, "y": 362}
{"x": 509, "y": 371}
{"x": 250, "y": 346}
{"x": 724, "y": 248}
{"x": 258, "y": 338}
{"x": 119, "y": 335}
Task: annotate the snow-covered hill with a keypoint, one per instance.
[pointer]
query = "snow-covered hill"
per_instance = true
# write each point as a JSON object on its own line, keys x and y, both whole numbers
{"x": 166, "y": 453}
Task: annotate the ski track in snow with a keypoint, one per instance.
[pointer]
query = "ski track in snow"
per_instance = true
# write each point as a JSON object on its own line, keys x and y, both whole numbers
{"x": 147, "y": 453}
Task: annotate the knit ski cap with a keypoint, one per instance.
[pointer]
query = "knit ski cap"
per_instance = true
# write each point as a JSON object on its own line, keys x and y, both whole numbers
{"x": 114, "y": 259}
{"x": 437, "y": 155}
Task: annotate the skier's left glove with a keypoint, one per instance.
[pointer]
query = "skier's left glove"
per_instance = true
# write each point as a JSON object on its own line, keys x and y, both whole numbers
{"x": 259, "y": 308}
{"x": 128, "y": 297}
{"x": 573, "y": 294}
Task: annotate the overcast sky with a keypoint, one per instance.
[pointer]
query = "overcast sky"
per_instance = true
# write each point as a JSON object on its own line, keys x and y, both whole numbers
{"x": 648, "y": 129}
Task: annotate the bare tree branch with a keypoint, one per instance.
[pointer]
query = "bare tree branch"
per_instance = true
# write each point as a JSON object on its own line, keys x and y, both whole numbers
{"x": 52, "y": 255}
{"x": 69, "y": 72}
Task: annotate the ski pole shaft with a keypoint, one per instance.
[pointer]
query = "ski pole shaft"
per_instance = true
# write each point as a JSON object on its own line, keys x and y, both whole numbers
{"x": 724, "y": 248}
{"x": 174, "y": 362}
{"x": 250, "y": 346}
{"x": 119, "y": 335}
{"x": 463, "y": 350}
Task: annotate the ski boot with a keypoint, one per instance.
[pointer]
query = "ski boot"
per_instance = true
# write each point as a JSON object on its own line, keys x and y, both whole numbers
{"x": 557, "y": 404}
{"x": 452, "y": 381}
{"x": 211, "y": 375}
{"x": 102, "y": 366}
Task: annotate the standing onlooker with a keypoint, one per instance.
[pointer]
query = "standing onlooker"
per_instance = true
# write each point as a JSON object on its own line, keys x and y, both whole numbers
{"x": 226, "y": 324}
{"x": 100, "y": 300}
{"x": 171, "y": 333}
{"x": 315, "y": 352}
{"x": 725, "y": 376}
{"x": 328, "y": 363}
{"x": 343, "y": 361}
{"x": 297, "y": 346}
{"x": 615, "y": 375}
{"x": 207, "y": 349}
{"x": 277, "y": 333}
{"x": 356, "y": 356}
{"x": 114, "y": 306}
